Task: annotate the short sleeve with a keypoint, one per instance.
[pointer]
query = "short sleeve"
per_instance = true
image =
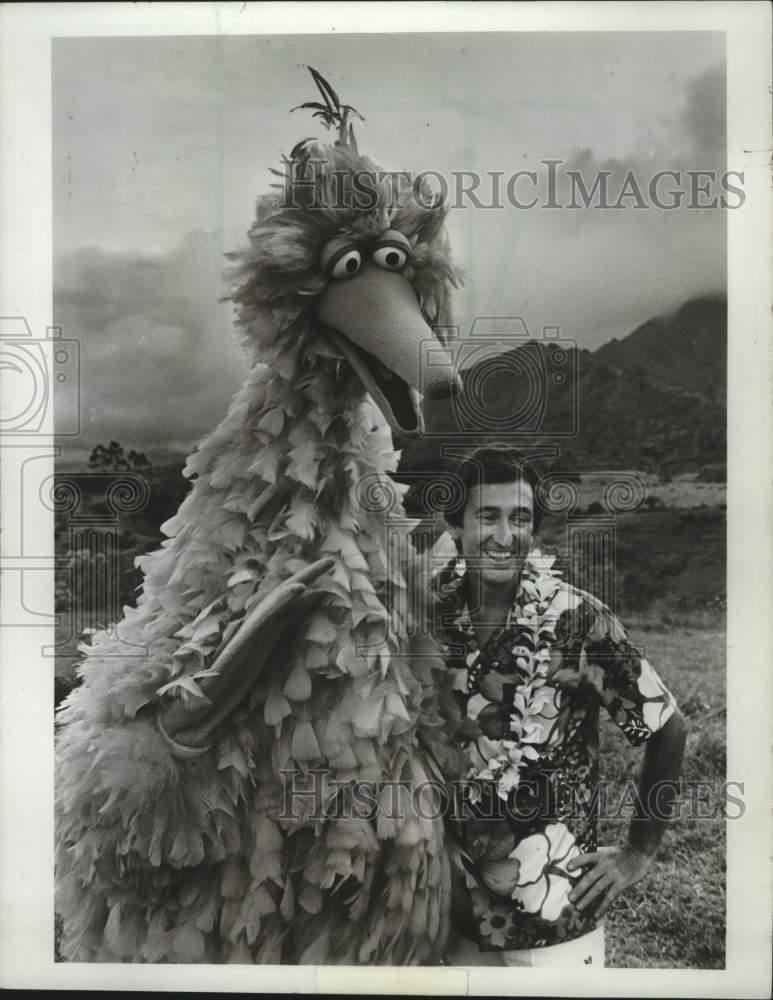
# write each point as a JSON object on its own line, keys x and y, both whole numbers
{"x": 634, "y": 695}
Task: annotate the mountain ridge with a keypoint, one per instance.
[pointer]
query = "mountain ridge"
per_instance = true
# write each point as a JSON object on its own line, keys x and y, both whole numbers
{"x": 653, "y": 400}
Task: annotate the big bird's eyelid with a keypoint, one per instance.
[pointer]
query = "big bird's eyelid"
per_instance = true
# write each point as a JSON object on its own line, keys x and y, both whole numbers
{"x": 393, "y": 238}
{"x": 334, "y": 250}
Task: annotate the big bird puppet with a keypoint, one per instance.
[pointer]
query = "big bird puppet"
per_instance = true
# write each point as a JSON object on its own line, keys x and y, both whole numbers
{"x": 206, "y": 790}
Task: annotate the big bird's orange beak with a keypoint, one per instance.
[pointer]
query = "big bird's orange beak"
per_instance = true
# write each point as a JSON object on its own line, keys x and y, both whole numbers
{"x": 375, "y": 320}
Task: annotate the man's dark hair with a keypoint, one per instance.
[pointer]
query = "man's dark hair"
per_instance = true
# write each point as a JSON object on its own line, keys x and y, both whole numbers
{"x": 484, "y": 466}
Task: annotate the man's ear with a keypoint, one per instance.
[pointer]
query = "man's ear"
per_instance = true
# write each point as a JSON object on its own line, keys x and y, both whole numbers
{"x": 456, "y": 535}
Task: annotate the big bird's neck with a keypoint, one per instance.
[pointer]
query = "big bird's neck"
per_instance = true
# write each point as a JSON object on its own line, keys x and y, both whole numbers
{"x": 298, "y": 469}
{"x": 304, "y": 440}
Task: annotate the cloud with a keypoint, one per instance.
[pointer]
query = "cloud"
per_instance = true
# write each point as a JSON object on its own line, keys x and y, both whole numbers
{"x": 158, "y": 356}
{"x": 705, "y": 116}
{"x": 600, "y": 272}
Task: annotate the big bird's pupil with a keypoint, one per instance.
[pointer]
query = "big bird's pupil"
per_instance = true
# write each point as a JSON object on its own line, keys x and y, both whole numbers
{"x": 392, "y": 258}
{"x": 351, "y": 265}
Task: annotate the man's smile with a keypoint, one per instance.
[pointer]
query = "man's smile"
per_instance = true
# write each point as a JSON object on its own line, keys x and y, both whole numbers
{"x": 500, "y": 555}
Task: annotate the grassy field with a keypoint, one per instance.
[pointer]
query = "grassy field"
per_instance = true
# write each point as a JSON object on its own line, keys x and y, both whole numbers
{"x": 675, "y": 917}
{"x": 682, "y": 493}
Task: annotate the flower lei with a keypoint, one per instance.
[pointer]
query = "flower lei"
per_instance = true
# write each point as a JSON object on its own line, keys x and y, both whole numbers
{"x": 535, "y": 703}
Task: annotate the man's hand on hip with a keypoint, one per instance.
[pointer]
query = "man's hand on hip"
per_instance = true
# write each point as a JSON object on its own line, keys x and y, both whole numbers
{"x": 607, "y": 875}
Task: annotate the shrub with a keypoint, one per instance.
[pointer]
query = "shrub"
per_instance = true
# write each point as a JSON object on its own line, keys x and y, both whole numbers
{"x": 714, "y": 473}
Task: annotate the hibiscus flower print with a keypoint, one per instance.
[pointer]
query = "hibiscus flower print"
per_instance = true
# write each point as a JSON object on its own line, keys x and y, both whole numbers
{"x": 495, "y": 924}
{"x": 658, "y": 705}
{"x": 500, "y": 877}
{"x": 491, "y": 719}
{"x": 543, "y": 880}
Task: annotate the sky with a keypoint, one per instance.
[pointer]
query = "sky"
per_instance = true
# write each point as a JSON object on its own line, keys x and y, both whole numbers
{"x": 161, "y": 146}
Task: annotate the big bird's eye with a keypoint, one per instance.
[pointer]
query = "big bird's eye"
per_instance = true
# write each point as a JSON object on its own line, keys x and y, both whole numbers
{"x": 341, "y": 259}
{"x": 390, "y": 258}
{"x": 347, "y": 265}
{"x": 391, "y": 251}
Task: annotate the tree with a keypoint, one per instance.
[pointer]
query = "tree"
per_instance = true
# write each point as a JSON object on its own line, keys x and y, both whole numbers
{"x": 138, "y": 462}
{"x": 114, "y": 459}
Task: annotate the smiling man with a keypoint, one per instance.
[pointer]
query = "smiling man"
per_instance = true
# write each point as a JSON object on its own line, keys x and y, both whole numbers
{"x": 530, "y": 661}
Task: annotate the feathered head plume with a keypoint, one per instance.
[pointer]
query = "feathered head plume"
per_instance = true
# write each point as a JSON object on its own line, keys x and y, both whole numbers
{"x": 333, "y": 215}
{"x": 332, "y": 112}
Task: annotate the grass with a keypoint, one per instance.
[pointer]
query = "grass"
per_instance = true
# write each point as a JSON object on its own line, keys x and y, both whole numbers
{"x": 675, "y": 917}
{"x": 680, "y": 494}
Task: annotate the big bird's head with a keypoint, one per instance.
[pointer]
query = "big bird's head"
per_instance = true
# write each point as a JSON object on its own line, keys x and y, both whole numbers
{"x": 348, "y": 276}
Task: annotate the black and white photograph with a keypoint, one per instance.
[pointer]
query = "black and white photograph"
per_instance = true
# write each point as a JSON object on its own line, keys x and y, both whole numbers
{"x": 386, "y": 498}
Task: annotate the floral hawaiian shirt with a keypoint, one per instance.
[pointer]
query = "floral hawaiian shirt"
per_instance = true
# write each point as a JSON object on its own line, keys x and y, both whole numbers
{"x": 524, "y": 804}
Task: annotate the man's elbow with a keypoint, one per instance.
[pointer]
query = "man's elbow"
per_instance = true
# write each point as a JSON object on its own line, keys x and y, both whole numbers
{"x": 678, "y": 727}
{"x": 671, "y": 739}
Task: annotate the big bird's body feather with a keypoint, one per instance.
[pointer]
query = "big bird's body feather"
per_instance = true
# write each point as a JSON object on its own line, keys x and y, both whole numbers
{"x": 163, "y": 857}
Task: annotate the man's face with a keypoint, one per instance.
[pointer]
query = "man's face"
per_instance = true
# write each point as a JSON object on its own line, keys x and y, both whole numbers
{"x": 497, "y": 530}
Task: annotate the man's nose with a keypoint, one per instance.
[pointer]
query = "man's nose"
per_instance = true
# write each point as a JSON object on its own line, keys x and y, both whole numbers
{"x": 503, "y": 535}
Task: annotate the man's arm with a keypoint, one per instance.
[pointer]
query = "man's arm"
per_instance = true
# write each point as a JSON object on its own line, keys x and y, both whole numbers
{"x": 609, "y": 873}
